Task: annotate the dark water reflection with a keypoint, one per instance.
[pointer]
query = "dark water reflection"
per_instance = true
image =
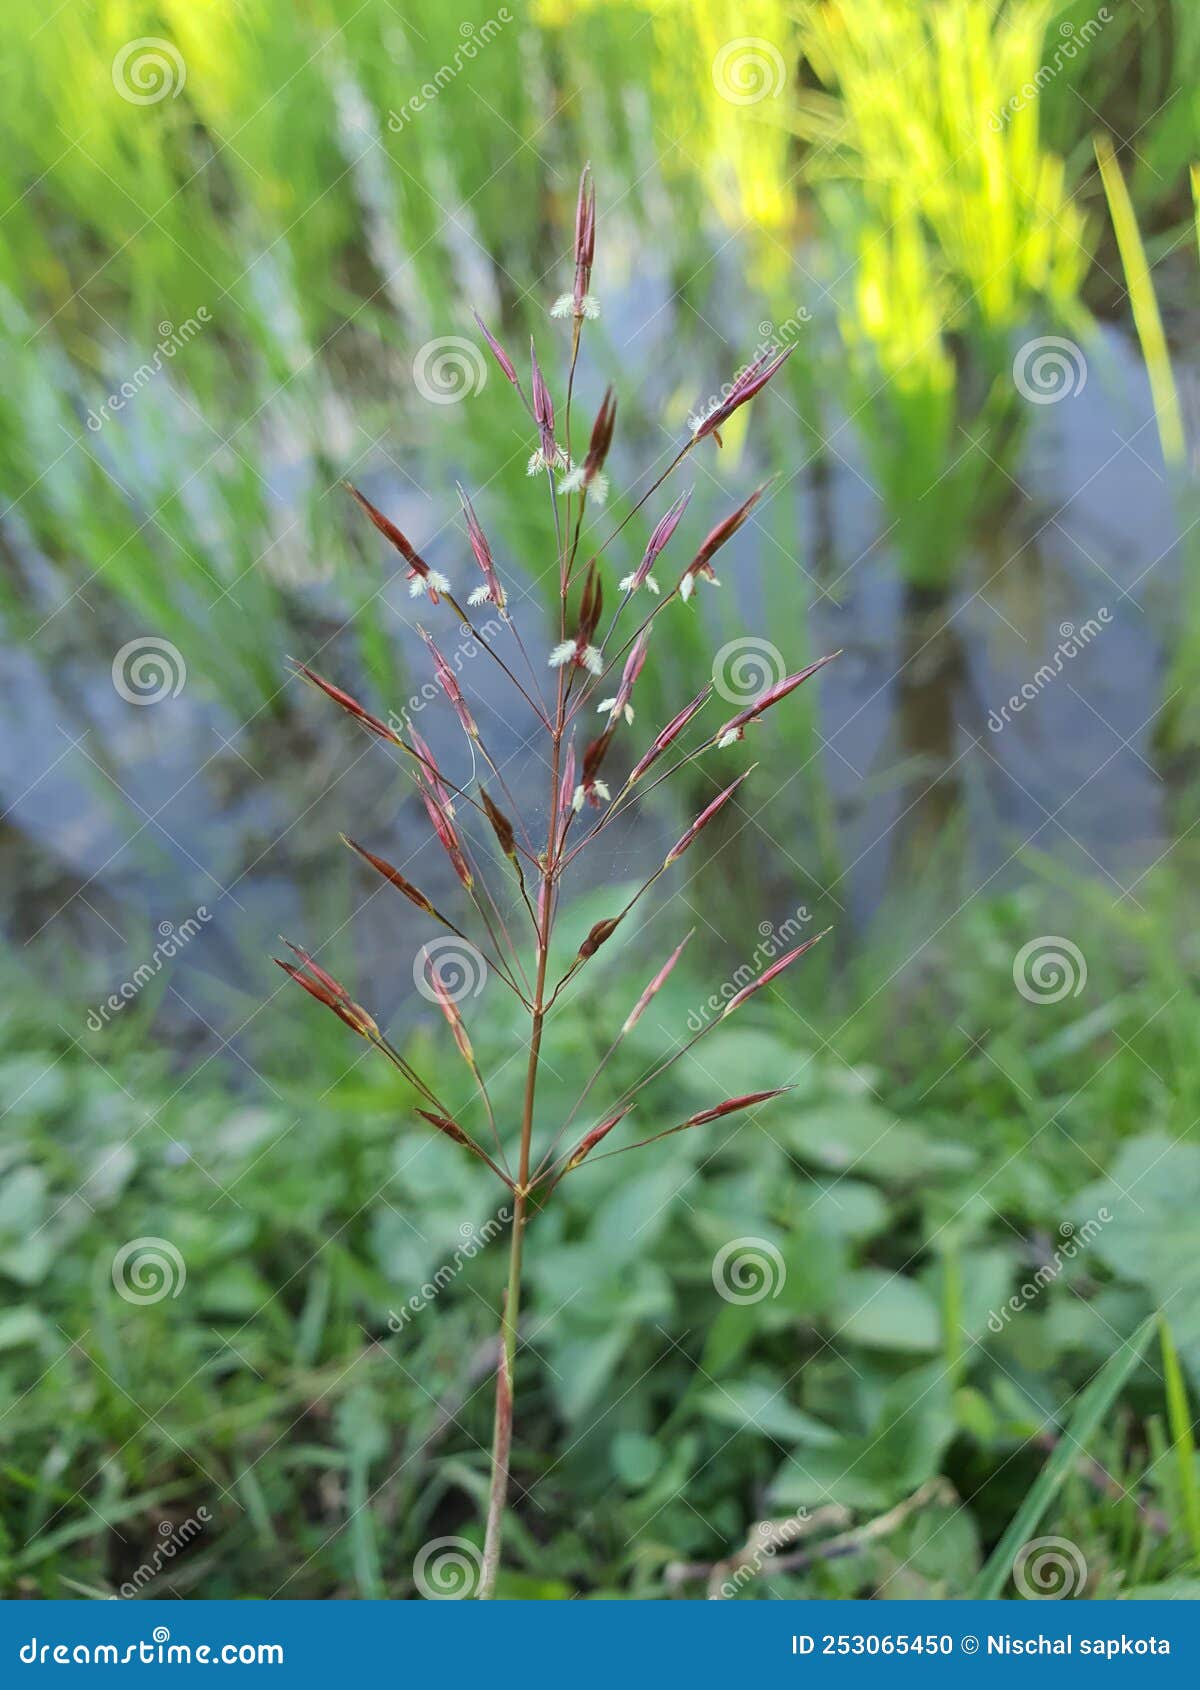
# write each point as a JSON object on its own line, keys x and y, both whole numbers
{"x": 119, "y": 820}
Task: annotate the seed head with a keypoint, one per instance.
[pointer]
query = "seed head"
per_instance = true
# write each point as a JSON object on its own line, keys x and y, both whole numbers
{"x": 589, "y": 1141}
{"x": 754, "y": 377}
{"x": 735, "y": 728}
{"x": 703, "y": 819}
{"x": 770, "y": 974}
{"x": 671, "y": 732}
{"x": 421, "y": 579}
{"x": 498, "y": 352}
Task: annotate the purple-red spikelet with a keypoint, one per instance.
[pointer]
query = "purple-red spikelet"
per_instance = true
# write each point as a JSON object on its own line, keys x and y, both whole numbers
{"x": 450, "y": 687}
{"x": 491, "y": 592}
{"x": 730, "y": 1106}
{"x": 448, "y": 838}
{"x": 703, "y": 819}
{"x": 328, "y": 991}
{"x": 735, "y": 727}
{"x": 663, "y": 531}
{"x": 498, "y": 353}
{"x": 659, "y": 981}
{"x": 590, "y": 1140}
{"x": 701, "y": 564}
{"x": 754, "y": 377}
{"x": 420, "y": 577}
{"x": 671, "y": 732}
{"x": 770, "y": 974}
{"x": 449, "y": 1009}
{"x": 391, "y": 875}
{"x": 348, "y": 704}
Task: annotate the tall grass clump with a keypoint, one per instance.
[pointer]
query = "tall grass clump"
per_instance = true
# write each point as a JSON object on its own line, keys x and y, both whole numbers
{"x": 590, "y": 672}
{"x": 957, "y": 226}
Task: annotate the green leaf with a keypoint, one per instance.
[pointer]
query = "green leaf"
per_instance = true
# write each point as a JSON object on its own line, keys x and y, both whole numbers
{"x": 887, "y": 1311}
{"x": 755, "y": 1405}
{"x": 635, "y": 1459}
{"x": 1091, "y": 1405}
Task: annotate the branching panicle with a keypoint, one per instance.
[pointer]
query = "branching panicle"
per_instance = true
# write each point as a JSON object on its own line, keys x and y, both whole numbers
{"x": 579, "y": 661}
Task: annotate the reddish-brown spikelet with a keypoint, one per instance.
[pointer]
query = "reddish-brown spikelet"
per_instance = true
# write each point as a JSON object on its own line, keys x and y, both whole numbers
{"x": 599, "y": 935}
{"x": 498, "y": 352}
{"x": 449, "y": 1009}
{"x": 701, "y": 564}
{"x": 730, "y": 1106}
{"x": 483, "y": 552}
{"x": 543, "y": 408}
{"x": 450, "y": 687}
{"x": 350, "y": 705}
{"x": 754, "y": 377}
{"x": 416, "y": 563}
{"x": 449, "y": 839}
{"x": 735, "y": 727}
{"x": 590, "y": 1140}
{"x": 770, "y": 974}
{"x": 702, "y": 820}
{"x": 601, "y": 439}
{"x": 501, "y": 826}
{"x": 566, "y": 786}
{"x": 671, "y": 732}
{"x": 659, "y": 980}
{"x": 444, "y": 1124}
{"x": 391, "y": 875}
{"x": 328, "y": 991}
{"x": 428, "y": 771}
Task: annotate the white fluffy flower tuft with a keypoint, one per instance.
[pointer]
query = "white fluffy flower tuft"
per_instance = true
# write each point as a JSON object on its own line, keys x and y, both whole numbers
{"x": 434, "y": 582}
{"x": 610, "y": 704}
{"x": 629, "y": 584}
